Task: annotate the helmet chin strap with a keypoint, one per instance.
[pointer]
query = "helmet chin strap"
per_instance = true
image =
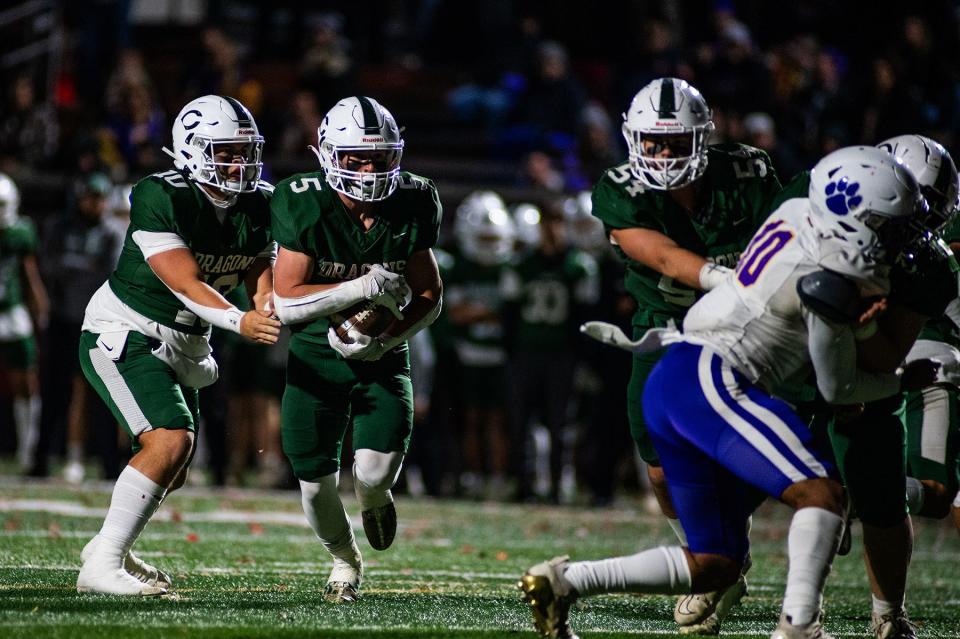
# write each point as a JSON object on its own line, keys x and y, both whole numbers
{"x": 226, "y": 203}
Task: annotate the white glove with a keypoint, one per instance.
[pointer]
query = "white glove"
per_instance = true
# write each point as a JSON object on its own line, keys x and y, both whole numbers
{"x": 713, "y": 275}
{"x": 653, "y": 340}
{"x": 364, "y": 349}
{"x": 385, "y": 288}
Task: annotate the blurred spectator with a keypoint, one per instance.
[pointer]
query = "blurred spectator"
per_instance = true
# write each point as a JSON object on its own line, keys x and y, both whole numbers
{"x": 540, "y": 172}
{"x": 129, "y": 72}
{"x": 80, "y": 251}
{"x": 220, "y": 72}
{"x": 140, "y": 128}
{"x": 548, "y": 112}
{"x": 302, "y": 122}
{"x": 761, "y": 132}
{"x": 326, "y": 66}
{"x": 29, "y": 129}
{"x": 892, "y": 106}
{"x": 597, "y": 145}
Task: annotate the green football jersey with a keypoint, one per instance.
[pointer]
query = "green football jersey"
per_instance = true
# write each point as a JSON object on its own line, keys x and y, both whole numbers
{"x": 168, "y": 203}
{"x": 550, "y": 290}
{"x": 479, "y": 344}
{"x": 16, "y": 242}
{"x": 737, "y": 193}
{"x": 310, "y": 218}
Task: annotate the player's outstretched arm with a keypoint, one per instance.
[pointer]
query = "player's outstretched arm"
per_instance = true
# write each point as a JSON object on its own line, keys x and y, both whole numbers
{"x": 179, "y": 271}
{"x": 657, "y": 251}
{"x": 259, "y": 284}
{"x": 295, "y": 300}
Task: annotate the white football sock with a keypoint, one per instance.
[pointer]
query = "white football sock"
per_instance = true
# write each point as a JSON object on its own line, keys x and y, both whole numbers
{"x": 661, "y": 570}
{"x": 915, "y": 495}
{"x": 677, "y": 528}
{"x": 135, "y": 498}
{"x": 26, "y": 415}
{"x": 327, "y": 517}
{"x": 374, "y": 474}
{"x": 811, "y": 544}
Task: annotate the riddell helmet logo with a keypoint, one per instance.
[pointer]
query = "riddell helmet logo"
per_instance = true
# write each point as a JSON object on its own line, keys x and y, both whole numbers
{"x": 377, "y": 139}
{"x": 245, "y": 132}
{"x": 670, "y": 123}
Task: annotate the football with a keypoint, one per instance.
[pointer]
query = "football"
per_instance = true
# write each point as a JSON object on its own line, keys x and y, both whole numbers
{"x": 363, "y": 318}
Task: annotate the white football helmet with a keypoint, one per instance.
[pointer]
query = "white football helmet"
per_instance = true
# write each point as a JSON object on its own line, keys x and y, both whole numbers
{"x": 668, "y": 111}
{"x": 201, "y": 128}
{"x": 865, "y": 196}
{"x": 526, "y": 219}
{"x": 9, "y": 201}
{"x": 586, "y": 231}
{"x": 483, "y": 228}
{"x": 360, "y": 124}
{"x": 934, "y": 169}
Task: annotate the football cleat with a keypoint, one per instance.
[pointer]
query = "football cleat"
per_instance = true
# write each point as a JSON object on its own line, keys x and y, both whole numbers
{"x": 137, "y": 567}
{"x": 702, "y": 614}
{"x": 343, "y": 584}
{"x": 893, "y": 626}
{"x": 812, "y": 630}
{"x": 101, "y": 577}
{"x": 380, "y": 525}
{"x": 549, "y": 596}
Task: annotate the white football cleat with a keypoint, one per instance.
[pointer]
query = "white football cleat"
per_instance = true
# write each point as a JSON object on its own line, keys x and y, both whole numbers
{"x": 100, "y": 576}
{"x": 812, "y": 630}
{"x": 343, "y": 584}
{"x": 702, "y": 614}
{"x": 549, "y": 596}
{"x": 893, "y": 626}
{"x": 138, "y": 568}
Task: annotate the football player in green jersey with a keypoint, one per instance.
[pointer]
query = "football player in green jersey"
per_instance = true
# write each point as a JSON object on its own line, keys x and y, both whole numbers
{"x": 195, "y": 233}
{"x": 18, "y": 351}
{"x": 485, "y": 234}
{"x": 547, "y": 293}
{"x": 679, "y": 212}
{"x": 359, "y": 229}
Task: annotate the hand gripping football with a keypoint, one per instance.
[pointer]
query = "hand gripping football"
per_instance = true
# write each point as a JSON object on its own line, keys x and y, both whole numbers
{"x": 363, "y": 318}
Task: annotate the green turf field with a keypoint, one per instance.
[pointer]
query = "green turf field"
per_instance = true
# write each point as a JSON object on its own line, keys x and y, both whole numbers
{"x": 246, "y": 565}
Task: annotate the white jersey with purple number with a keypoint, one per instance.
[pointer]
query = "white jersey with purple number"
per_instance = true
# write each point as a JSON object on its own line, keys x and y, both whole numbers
{"x": 755, "y": 320}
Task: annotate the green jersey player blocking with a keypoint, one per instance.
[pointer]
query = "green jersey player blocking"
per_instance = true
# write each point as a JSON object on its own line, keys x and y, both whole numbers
{"x": 195, "y": 234}
{"x": 360, "y": 229}
{"x": 679, "y": 213}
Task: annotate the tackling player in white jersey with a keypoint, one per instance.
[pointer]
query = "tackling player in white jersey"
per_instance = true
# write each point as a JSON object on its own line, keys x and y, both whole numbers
{"x": 797, "y": 289}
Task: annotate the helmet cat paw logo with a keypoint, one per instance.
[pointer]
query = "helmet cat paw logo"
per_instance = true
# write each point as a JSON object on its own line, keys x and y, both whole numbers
{"x": 842, "y": 196}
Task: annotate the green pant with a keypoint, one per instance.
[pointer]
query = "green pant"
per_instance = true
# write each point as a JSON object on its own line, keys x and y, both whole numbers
{"x": 141, "y": 391}
{"x": 642, "y": 367}
{"x": 871, "y": 457}
{"x": 324, "y": 392}
{"x": 19, "y": 354}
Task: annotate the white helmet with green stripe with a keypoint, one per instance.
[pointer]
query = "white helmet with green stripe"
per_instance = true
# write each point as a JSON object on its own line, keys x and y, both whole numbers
{"x": 211, "y": 135}
{"x": 9, "y": 201}
{"x": 667, "y": 113}
{"x": 358, "y": 131}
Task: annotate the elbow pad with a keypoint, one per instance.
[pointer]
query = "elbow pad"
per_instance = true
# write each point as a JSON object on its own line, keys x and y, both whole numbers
{"x": 831, "y": 296}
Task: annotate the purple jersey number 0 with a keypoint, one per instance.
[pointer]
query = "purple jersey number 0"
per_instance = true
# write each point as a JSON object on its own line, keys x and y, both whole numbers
{"x": 764, "y": 245}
